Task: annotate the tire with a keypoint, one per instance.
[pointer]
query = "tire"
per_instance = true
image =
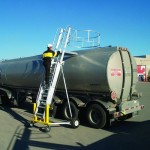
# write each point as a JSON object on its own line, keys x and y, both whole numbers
{"x": 96, "y": 116}
{"x": 29, "y": 124}
{"x": 66, "y": 112}
{"x": 20, "y": 101}
{"x": 45, "y": 129}
{"x": 75, "y": 123}
{"x": 53, "y": 112}
{"x": 4, "y": 100}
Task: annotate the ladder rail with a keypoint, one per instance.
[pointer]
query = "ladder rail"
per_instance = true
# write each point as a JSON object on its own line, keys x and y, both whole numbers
{"x": 66, "y": 42}
{"x": 59, "y": 63}
{"x": 38, "y": 96}
{"x": 59, "y": 38}
{"x": 53, "y": 85}
{"x": 66, "y": 92}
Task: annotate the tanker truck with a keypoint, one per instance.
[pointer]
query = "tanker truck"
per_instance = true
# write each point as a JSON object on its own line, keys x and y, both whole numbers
{"x": 101, "y": 84}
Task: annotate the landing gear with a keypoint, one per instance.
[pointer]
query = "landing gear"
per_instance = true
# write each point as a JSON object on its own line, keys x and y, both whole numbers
{"x": 4, "y": 100}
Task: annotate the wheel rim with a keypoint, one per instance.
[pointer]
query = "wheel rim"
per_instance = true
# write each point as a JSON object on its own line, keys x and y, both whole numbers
{"x": 74, "y": 111}
{"x": 95, "y": 116}
{"x": 76, "y": 123}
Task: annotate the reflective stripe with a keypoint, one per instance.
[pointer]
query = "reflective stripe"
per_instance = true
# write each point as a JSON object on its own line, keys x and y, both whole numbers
{"x": 47, "y": 55}
{"x": 55, "y": 54}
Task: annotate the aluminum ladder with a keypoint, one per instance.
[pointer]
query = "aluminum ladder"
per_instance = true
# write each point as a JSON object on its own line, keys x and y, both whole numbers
{"x": 45, "y": 95}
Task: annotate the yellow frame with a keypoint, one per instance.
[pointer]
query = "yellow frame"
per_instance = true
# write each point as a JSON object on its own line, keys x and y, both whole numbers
{"x": 46, "y": 120}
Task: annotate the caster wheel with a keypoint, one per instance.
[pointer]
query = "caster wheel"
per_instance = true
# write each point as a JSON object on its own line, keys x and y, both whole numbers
{"x": 29, "y": 124}
{"x": 75, "y": 123}
{"x": 46, "y": 129}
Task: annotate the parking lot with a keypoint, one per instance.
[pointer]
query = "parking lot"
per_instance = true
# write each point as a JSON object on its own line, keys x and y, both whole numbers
{"x": 131, "y": 134}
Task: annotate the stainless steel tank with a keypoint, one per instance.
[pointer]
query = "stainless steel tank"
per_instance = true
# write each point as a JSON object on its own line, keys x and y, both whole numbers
{"x": 99, "y": 70}
{"x": 22, "y": 72}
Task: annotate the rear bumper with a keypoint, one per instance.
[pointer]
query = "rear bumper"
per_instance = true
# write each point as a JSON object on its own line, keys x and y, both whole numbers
{"x": 127, "y": 108}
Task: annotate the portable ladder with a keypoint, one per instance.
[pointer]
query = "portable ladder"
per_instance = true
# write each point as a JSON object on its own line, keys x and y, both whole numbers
{"x": 45, "y": 95}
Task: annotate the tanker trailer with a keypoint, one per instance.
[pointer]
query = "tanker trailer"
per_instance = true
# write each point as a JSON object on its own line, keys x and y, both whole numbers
{"x": 100, "y": 81}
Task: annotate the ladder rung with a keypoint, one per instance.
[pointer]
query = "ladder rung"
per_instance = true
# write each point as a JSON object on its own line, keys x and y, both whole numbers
{"x": 44, "y": 97}
{"x": 46, "y": 88}
{"x": 39, "y": 114}
{"x": 52, "y": 68}
{"x": 44, "y": 94}
{"x": 42, "y": 107}
{"x": 54, "y": 63}
{"x": 51, "y": 74}
{"x": 42, "y": 101}
{"x": 50, "y": 79}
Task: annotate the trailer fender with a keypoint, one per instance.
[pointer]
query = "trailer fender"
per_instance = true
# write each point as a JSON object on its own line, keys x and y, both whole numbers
{"x": 78, "y": 101}
{"x": 57, "y": 100}
{"x": 8, "y": 92}
{"x": 108, "y": 106}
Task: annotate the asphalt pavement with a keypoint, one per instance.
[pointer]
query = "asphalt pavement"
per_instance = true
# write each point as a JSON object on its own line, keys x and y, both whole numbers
{"x": 132, "y": 134}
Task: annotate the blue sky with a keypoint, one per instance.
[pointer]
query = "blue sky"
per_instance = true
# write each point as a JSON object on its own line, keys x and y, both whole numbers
{"x": 27, "y": 26}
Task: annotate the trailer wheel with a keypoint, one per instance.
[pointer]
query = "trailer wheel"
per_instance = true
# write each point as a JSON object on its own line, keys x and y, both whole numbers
{"x": 54, "y": 110}
{"x": 4, "y": 100}
{"x": 19, "y": 100}
{"x": 96, "y": 116}
{"x": 66, "y": 112}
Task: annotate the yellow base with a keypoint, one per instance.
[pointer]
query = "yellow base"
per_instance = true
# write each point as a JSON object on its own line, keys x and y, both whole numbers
{"x": 45, "y": 120}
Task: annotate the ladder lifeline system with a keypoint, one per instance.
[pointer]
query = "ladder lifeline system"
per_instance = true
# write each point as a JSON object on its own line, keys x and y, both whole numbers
{"x": 45, "y": 95}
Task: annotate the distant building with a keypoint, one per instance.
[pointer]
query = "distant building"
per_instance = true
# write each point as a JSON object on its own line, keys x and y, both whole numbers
{"x": 143, "y": 66}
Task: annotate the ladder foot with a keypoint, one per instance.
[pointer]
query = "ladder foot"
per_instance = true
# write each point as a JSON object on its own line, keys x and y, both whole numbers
{"x": 45, "y": 129}
{"x": 29, "y": 124}
{"x": 75, "y": 123}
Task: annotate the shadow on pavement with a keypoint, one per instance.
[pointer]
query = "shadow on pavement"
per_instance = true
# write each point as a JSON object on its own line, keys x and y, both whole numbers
{"x": 127, "y": 136}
